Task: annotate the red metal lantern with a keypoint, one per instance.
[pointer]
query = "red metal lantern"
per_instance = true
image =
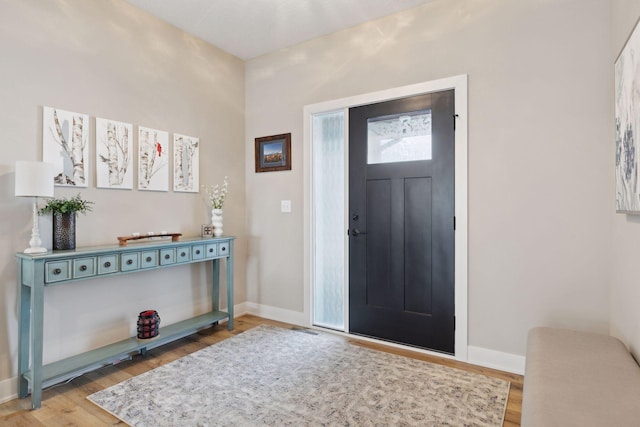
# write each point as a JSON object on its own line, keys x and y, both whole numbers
{"x": 148, "y": 324}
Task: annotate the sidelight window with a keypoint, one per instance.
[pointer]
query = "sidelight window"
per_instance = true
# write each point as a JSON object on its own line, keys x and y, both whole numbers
{"x": 328, "y": 212}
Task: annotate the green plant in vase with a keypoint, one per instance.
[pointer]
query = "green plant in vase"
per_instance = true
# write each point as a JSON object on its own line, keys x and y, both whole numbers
{"x": 64, "y": 219}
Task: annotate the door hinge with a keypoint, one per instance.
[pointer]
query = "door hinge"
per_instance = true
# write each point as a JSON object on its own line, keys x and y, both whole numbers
{"x": 454, "y": 323}
{"x": 455, "y": 116}
{"x": 454, "y": 223}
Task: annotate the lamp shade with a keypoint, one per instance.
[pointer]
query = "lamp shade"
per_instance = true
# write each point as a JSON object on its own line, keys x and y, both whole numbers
{"x": 34, "y": 179}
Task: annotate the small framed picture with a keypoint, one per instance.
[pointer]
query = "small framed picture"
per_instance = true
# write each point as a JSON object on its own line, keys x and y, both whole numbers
{"x": 207, "y": 230}
{"x": 273, "y": 153}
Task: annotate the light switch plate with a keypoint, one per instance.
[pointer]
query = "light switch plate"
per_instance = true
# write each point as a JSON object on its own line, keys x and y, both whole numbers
{"x": 285, "y": 206}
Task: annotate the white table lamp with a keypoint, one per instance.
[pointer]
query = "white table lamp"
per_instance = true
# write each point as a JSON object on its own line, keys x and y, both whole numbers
{"x": 34, "y": 179}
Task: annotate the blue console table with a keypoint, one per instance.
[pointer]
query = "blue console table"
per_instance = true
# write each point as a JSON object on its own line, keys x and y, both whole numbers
{"x": 39, "y": 271}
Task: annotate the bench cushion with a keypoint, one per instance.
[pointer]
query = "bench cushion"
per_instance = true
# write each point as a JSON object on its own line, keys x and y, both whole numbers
{"x": 579, "y": 379}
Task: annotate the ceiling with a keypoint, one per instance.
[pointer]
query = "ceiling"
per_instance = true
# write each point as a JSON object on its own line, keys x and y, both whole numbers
{"x": 250, "y": 28}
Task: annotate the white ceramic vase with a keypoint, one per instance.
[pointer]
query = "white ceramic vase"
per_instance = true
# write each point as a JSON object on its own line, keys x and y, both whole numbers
{"x": 216, "y": 221}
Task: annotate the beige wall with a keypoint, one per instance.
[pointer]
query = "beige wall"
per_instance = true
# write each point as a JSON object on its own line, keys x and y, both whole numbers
{"x": 625, "y": 282}
{"x": 540, "y": 182}
{"x": 109, "y": 59}
{"x": 540, "y": 106}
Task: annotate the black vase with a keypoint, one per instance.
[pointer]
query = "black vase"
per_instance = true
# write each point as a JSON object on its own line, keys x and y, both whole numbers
{"x": 64, "y": 231}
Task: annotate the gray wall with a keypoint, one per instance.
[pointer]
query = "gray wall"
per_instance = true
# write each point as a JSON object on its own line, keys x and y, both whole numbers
{"x": 111, "y": 60}
{"x": 625, "y": 285}
{"x": 540, "y": 184}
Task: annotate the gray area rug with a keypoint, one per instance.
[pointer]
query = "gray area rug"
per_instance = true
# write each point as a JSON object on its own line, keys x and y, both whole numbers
{"x": 280, "y": 377}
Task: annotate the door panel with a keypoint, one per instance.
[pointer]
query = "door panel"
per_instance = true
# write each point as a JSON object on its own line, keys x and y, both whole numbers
{"x": 417, "y": 242}
{"x": 379, "y": 256}
{"x": 401, "y": 207}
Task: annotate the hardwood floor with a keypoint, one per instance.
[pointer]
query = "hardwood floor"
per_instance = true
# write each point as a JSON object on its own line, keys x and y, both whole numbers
{"x": 66, "y": 404}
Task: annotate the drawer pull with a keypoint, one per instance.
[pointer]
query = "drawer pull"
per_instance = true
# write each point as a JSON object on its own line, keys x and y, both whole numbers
{"x": 129, "y": 261}
{"x": 198, "y": 252}
{"x": 210, "y": 250}
{"x": 224, "y": 248}
{"x": 167, "y": 256}
{"x": 57, "y": 271}
{"x": 83, "y": 268}
{"x": 183, "y": 254}
{"x": 148, "y": 259}
{"x": 107, "y": 264}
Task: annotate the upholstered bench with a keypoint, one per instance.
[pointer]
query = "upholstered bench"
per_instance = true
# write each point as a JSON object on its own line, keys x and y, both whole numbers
{"x": 579, "y": 379}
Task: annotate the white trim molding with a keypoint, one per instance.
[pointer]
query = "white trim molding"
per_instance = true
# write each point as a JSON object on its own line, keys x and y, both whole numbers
{"x": 497, "y": 360}
{"x": 275, "y": 313}
{"x": 460, "y": 86}
{"x": 8, "y": 389}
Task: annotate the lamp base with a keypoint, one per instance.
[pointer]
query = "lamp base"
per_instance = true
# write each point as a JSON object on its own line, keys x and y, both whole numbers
{"x": 35, "y": 250}
{"x": 35, "y": 244}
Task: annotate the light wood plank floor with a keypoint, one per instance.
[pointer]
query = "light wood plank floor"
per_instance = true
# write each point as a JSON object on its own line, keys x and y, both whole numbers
{"x": 66, "y": 404}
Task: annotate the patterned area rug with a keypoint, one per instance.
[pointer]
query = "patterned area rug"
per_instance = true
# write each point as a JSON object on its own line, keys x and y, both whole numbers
{"x": 277, "y": 377}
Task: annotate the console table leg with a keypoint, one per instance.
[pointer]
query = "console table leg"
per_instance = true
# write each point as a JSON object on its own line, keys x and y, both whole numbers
{"x": 215, "y": 285}
{"x": 37, "y": 323}
{"x": 23, "y": 339}
{"x": 230, "y": 286}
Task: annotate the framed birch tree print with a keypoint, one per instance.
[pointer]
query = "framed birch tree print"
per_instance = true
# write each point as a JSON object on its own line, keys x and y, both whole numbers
{"x": 186, "y": 163}
{"x": 113, "y": 154}
{"x": 153, "y": 165}
{"x": 65, "y": 144}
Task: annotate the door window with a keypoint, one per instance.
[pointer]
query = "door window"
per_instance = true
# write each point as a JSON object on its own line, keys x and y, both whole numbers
{"x": 402, "y": 137}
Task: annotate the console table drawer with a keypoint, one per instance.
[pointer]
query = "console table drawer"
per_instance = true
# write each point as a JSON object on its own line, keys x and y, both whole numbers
{"x": 149, "y": 259}
{"x": 167, "y": 256}
{"x": 211, "y": 250}
{"x": 107, "y": 264}
{"x": 183, "y": 254}
{"x": 130, "y": 261}
{"x": 57, "y": 271}
{"x": 197, "y": 252}
{"x": 84, "y": 267}
{"x": 223, "y": 249}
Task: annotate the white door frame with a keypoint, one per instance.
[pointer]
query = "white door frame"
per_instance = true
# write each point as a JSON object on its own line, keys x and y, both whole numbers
{"x": 459, "y": 84}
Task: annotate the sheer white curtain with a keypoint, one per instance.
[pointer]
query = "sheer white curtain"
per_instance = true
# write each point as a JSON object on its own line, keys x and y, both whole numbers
{"x": 329, "y": 228}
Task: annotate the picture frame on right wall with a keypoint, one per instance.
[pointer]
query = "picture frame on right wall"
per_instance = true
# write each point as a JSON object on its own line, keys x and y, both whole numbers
{"x": 627, "y": 121}
{"x": 273, "y": 153}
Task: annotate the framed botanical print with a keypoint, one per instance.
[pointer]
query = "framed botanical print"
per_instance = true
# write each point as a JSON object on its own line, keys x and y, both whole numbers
{"x": 65, "y": 144}
{"x": 153, "y": 164}
{"x": 186, "y": 163}
{"x": 114, "y": 153}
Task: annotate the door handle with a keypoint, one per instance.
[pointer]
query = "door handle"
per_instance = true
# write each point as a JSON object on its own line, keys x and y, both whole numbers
{"x": 355, "y": 232}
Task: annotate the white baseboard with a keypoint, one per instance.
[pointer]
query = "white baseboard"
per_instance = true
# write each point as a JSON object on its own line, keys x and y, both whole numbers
{"x": 496, "y": 359}
{"x": 275, "y": 313}
{"x": 8, "y": 389}
{"x": 239, "y": 309}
